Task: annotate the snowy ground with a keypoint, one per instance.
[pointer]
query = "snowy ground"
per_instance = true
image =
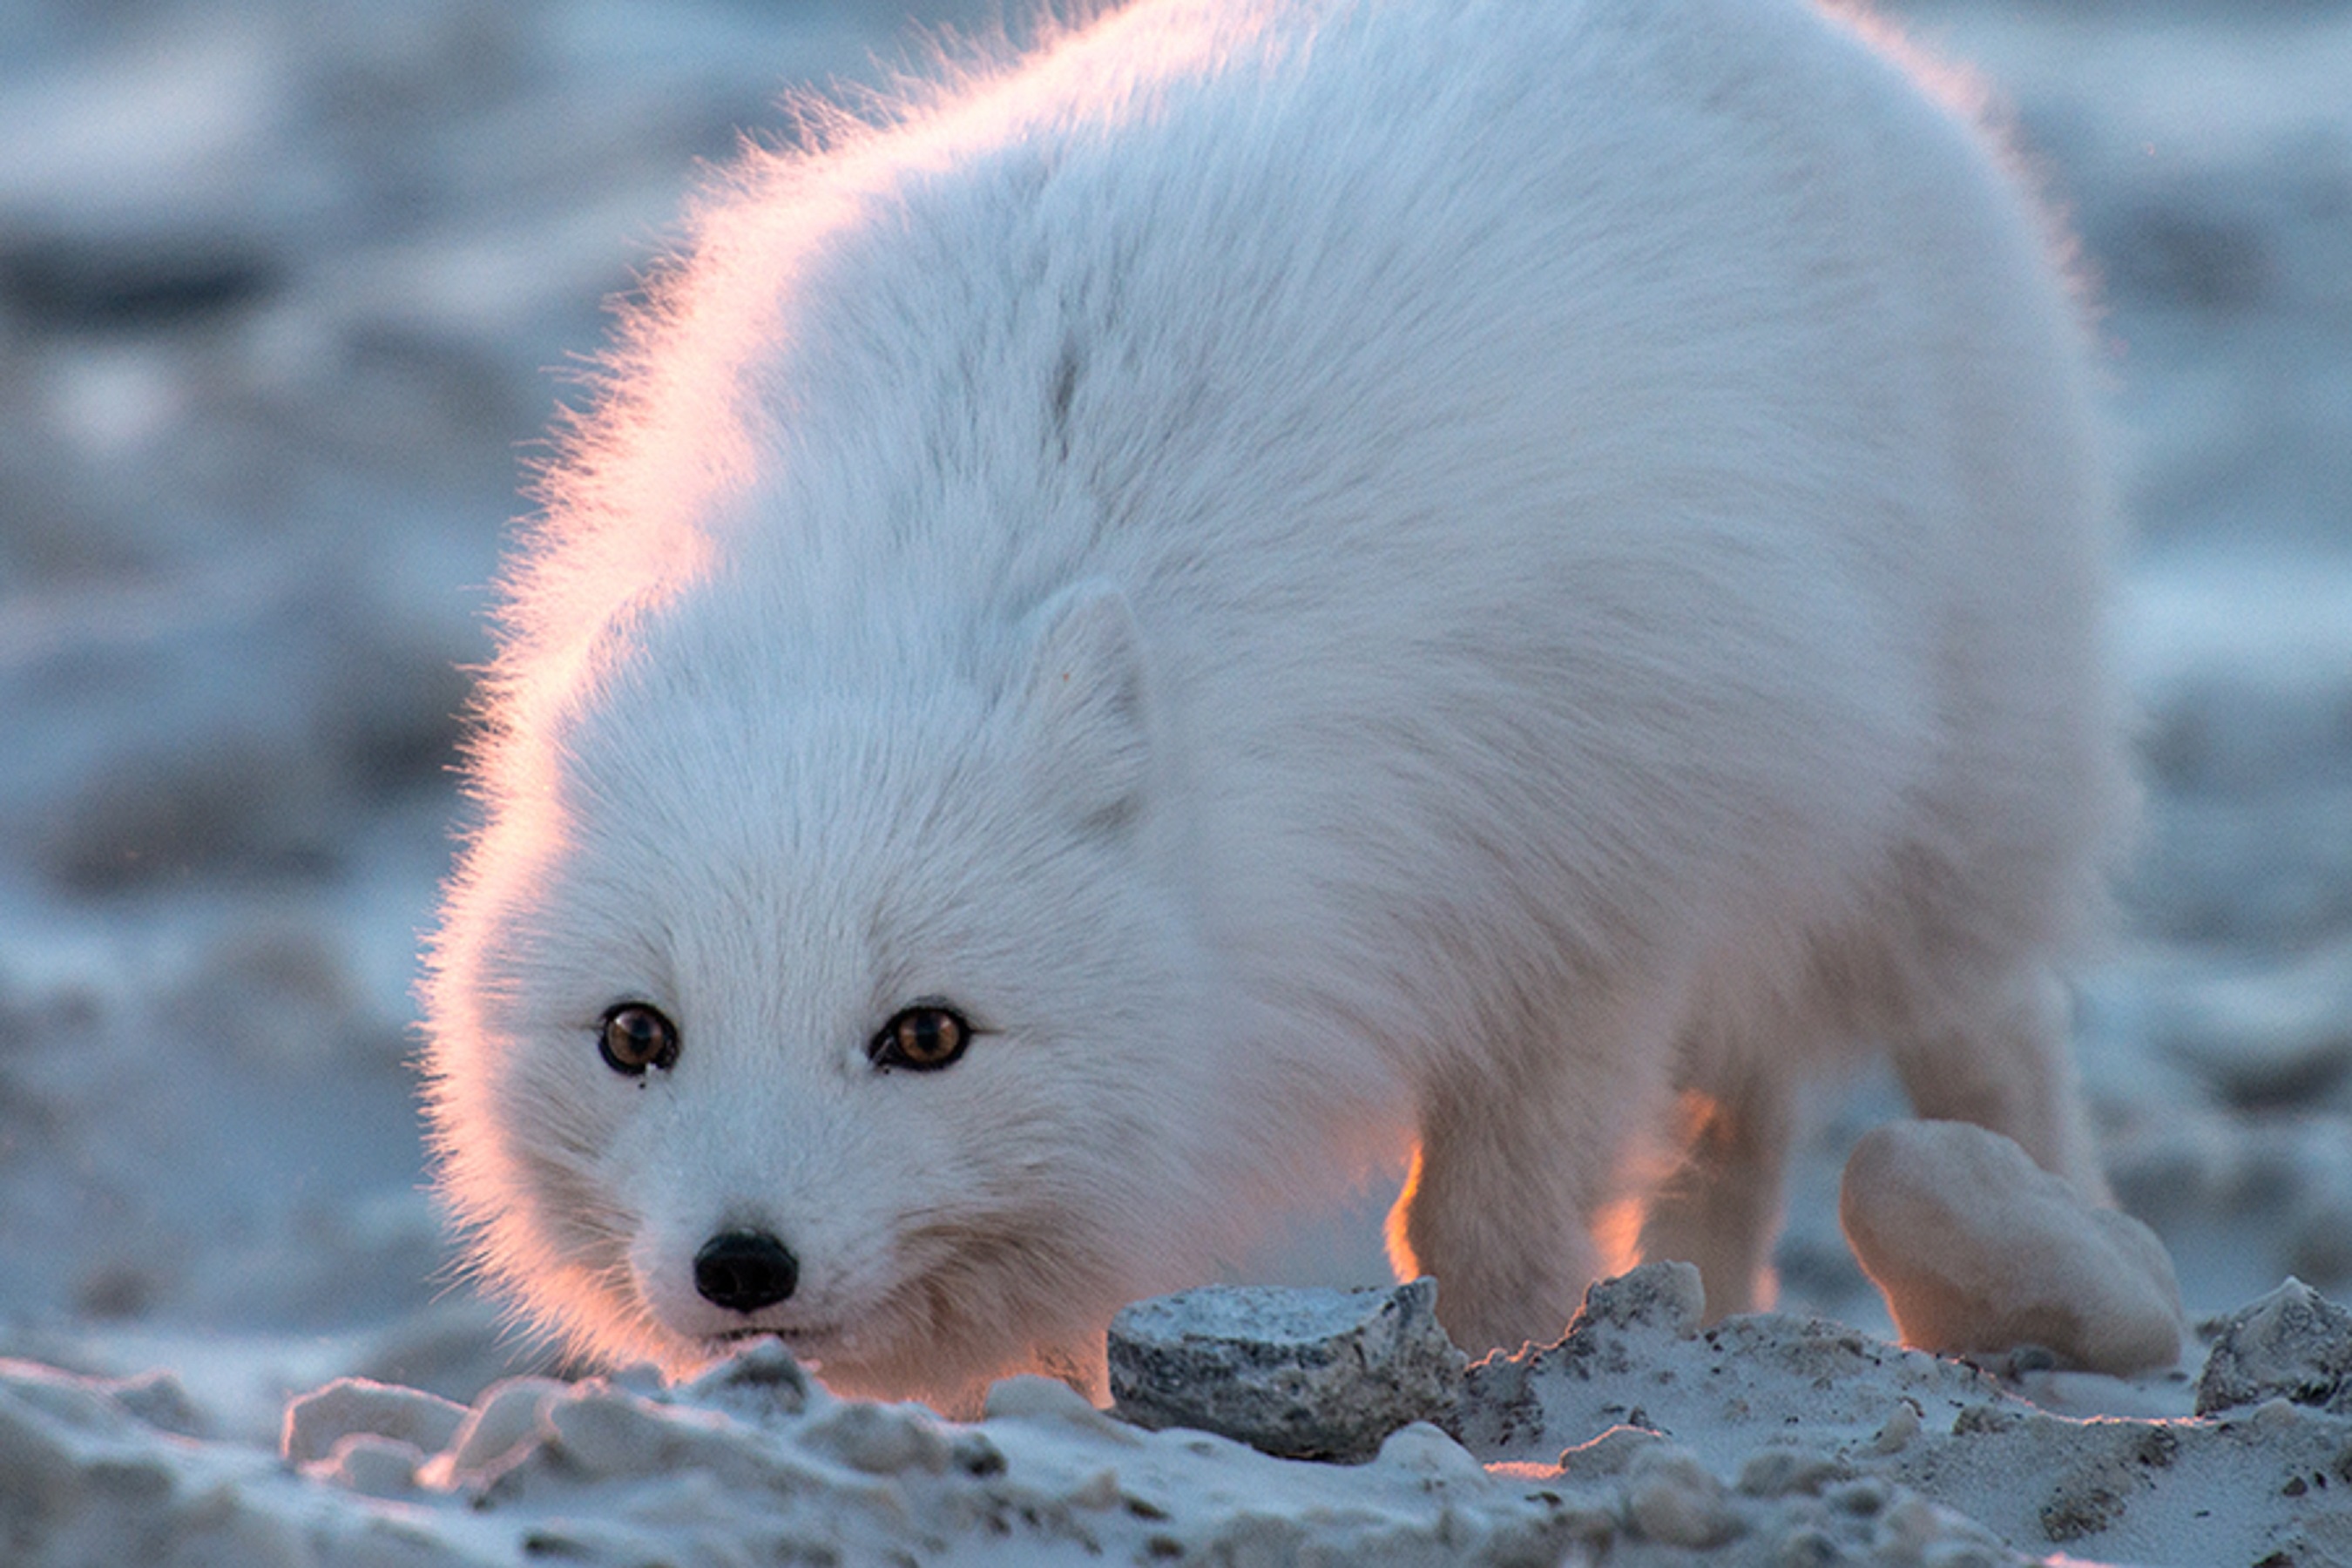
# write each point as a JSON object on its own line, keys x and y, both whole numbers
{"x": 287, "y": 291}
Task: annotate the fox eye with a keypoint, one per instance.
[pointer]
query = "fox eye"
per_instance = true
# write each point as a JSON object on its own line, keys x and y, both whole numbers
{"x": 924, "y": 1038}
{"x": 635, "y": 1036}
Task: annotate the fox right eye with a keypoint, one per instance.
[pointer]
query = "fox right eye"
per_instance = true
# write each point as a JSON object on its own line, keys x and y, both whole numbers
{"x": 634, "y": 1036}
{"x": 924, "y": 1038}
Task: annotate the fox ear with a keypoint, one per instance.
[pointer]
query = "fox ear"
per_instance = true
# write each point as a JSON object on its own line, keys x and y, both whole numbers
{"x": 1087, "y": 709}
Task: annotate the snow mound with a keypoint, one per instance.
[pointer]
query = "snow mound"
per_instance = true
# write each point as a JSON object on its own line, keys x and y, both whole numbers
{"x": 1639, "y": 1440}
{"x": 1808, "y": 1404}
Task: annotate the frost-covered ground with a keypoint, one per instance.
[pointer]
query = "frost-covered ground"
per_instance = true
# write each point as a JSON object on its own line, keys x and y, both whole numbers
{"x": 287, "y": 291}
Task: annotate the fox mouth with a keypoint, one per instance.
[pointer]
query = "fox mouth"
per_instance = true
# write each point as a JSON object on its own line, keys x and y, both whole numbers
{"x": 800, "y": 1341}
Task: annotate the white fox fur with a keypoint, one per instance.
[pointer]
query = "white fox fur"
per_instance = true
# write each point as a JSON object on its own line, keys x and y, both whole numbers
{"x": 1336, "y": 575}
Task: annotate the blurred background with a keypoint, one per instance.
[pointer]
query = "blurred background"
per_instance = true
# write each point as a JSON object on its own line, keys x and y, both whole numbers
{"x": 289, "y": 291}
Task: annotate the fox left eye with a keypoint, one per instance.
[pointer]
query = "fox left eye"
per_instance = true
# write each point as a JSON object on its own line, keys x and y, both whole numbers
{"x": 924, "y": 1038}
{"x": 634, "y": 1036}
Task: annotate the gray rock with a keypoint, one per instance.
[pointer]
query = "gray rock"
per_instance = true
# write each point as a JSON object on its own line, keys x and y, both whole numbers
{"x": 2293, "y": 1344}
{"x": 1310, "y": 1374}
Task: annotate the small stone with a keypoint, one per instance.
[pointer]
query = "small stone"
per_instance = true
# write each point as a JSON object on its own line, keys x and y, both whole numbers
{"x": 317, "y": 1420}
{"x": 1975, "y": 1248}
{"x": 2293, "y": 1344}
{"x": 1319, "y": 1374}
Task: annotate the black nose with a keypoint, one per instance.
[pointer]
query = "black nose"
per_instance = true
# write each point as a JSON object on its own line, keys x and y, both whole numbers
{"x": 743, "y": 1271}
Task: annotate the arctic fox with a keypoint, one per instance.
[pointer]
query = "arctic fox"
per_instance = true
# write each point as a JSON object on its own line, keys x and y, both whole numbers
{"x": 1282, "y": 582}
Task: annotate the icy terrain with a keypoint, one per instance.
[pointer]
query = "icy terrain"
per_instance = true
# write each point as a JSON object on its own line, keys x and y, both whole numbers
{"x": 288, "y": 294}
